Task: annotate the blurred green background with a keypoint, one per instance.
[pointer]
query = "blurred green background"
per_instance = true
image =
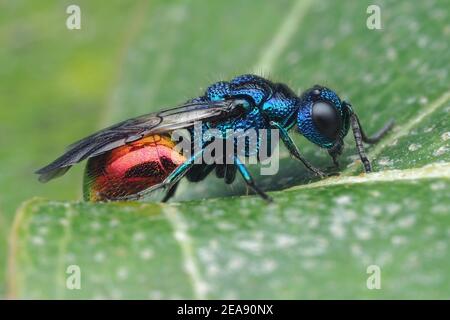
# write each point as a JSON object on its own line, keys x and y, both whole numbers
{"x": 132, "y": 57}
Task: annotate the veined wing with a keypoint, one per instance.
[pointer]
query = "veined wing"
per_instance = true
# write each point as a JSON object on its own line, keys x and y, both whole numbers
{"x": 134, "y": 129}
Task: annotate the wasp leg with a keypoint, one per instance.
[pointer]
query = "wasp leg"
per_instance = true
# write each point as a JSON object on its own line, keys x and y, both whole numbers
{"x": 334, "y": 157}
{"x": 230, "y": 173}
{"x": 220, "y": 171}
{"x": 335, "y": 151}
{"x": 226, "y": 172}
{"x": 359, "y": 142}
{"x": 199, "y": 172}
{"x": 378, "y": 135}
{"x": 249, "y": 180}
{"x": 171, "y": 192}
{"x": 293, "y": 150}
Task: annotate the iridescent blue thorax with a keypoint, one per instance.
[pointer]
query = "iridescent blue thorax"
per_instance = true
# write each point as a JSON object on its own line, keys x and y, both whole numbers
{"x": 272, "y": 101}
{"x": 268, "y": 101}
{"x": 275, "y": 102}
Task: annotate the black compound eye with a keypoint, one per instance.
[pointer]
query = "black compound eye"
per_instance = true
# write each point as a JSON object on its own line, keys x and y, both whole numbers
{"x": 326, "y": 119}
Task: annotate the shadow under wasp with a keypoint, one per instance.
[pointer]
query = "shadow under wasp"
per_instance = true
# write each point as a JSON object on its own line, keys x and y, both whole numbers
{"x": 133, "y": 158}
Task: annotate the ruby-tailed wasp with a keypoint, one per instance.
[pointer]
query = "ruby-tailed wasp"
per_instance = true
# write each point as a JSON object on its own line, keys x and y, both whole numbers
{"x": 135, "y": 157}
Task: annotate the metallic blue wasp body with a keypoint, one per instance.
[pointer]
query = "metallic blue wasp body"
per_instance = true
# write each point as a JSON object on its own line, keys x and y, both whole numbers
{"x": 246, "y": 102}
{"x": 263, "y": 100}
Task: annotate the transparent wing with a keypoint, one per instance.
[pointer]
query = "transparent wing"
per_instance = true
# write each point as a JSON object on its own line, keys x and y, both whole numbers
{"x": 134, "y": 129}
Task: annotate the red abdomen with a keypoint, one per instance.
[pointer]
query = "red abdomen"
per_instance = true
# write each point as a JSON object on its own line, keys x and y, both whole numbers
{"x": 130, "y": 168}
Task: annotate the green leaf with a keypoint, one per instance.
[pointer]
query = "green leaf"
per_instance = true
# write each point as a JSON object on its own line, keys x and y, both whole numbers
{"x": 318, "y": 239}
{"x": 315, "y": 241}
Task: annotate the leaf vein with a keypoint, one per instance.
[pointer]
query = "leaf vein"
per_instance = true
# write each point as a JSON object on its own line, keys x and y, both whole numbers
{"x": 190, "y": 265}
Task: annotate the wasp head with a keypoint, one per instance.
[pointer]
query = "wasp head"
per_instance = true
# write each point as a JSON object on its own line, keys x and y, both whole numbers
{"x": 322, "y": 117}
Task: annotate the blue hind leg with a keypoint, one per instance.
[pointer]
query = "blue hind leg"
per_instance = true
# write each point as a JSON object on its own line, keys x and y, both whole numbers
{"x": 249, "y": 180}
{"x": 171, "y": 192}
